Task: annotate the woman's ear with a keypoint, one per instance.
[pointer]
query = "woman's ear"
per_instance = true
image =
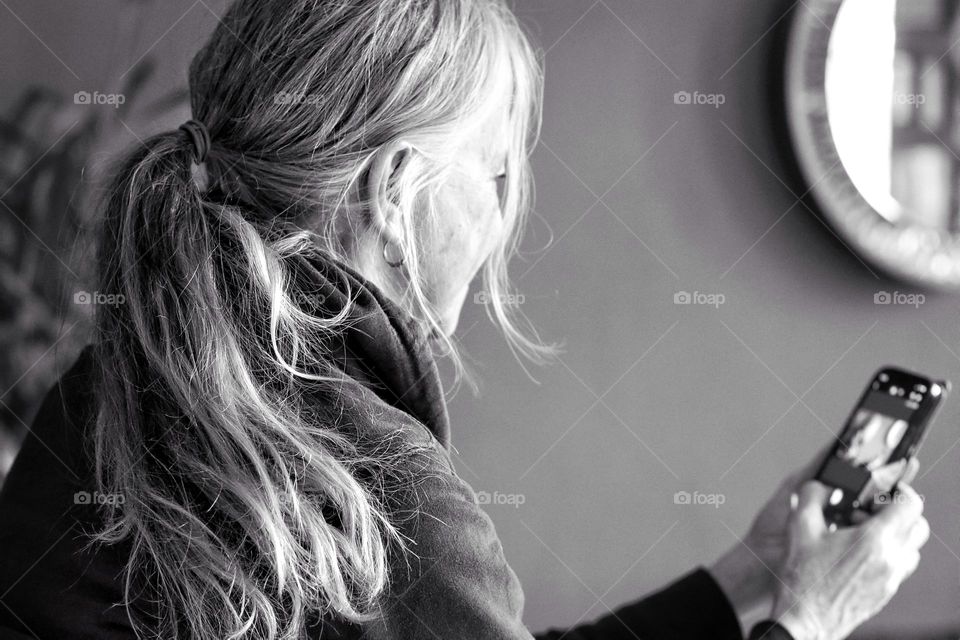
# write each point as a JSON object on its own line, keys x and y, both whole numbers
{"x": 385, "y": 215}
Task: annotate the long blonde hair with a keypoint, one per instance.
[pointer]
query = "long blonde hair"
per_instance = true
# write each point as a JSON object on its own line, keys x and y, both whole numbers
{"x": 208, "y": 426}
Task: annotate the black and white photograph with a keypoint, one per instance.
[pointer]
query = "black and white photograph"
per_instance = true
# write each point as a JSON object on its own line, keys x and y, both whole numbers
{"x": 479, "y": 319}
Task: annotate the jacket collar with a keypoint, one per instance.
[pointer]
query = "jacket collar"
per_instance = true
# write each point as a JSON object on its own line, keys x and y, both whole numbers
{"x": 380, "y": 345}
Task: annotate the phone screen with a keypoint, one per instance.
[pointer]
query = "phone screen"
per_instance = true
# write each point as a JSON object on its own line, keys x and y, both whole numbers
{"x": 886, "y": 426}
{"x": 876, "y": 430}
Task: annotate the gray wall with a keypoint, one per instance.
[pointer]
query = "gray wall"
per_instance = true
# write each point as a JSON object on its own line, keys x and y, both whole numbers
{"x": 712, "y": 403}
{"x": 692, "y": 398}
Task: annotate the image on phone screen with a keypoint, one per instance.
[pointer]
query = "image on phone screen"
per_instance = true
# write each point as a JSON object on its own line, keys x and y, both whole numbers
{"x": 872, "y": 438}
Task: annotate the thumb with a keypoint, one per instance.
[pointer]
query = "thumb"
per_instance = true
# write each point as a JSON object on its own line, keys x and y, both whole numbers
{"x": 807, "y": 519}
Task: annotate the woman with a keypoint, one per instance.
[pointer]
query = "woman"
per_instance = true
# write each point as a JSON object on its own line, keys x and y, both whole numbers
{"x": 256, "y": 445}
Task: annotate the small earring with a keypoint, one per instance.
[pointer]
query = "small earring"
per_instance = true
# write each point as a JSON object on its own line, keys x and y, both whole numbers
{"x": 395, "y": 256}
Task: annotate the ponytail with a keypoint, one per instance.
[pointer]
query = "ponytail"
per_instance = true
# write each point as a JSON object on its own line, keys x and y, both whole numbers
{"x": 228, "y": 475}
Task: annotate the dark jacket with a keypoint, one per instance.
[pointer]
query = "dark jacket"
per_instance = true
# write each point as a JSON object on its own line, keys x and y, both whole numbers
{"x": 459, "y": 586}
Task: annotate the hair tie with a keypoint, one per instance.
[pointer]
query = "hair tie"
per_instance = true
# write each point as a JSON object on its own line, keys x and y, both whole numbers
{"x": 199, "y": 137}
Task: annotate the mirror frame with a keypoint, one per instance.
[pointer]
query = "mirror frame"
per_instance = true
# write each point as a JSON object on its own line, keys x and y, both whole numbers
{"x": 921, "y": 255}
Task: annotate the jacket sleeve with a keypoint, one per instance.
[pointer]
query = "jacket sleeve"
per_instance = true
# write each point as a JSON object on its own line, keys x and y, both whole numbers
{"x": 456, "y": 584}
{"x": 769, "y": 630}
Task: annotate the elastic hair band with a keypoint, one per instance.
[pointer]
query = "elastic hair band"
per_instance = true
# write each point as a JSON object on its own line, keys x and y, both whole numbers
{"x": 199, "y": 137}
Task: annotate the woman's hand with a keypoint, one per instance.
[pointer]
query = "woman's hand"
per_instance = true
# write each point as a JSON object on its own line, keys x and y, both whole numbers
{"x": 832, "y": 581}
{"x": 747, "y": 573}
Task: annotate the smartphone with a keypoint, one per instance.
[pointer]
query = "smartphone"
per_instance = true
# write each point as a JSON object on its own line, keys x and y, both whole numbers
{"x": 887, "y": 425}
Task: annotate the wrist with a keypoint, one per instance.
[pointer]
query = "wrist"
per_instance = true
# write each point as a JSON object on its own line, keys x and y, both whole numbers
{"x": 792, "y": 616}
{"x": 747, "y": 584}
{"x": 798, "y": 626}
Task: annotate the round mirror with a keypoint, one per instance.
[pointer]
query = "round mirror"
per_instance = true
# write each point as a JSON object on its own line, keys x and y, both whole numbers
{"x": 873, "y": 103}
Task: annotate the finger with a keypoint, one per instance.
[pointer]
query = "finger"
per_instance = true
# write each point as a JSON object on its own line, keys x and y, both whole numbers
{"x": 807, "y": 518}
{"x": 918, "y": 534}
{"x": 909, "y": 563}
{"x": 887, "y": 476}
{"x": 902, "y": 511}
{"x": 913, "y": 466}
{"x": 906, "y": 492}
{"x": 901, "y": 567}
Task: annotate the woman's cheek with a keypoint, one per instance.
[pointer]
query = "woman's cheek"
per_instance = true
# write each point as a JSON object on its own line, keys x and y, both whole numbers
{"x": 466, "y": 251}
{"x": 446, "y": 258}
{"x": 494, "y": 233}
{"x": 467, "y": 233}
{"x": 473, "y": 231}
